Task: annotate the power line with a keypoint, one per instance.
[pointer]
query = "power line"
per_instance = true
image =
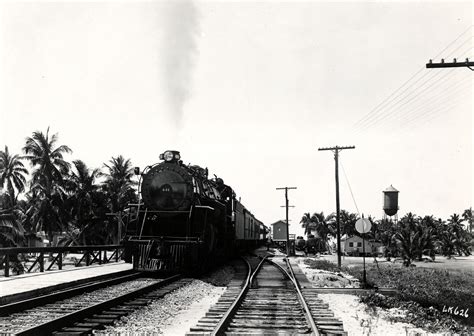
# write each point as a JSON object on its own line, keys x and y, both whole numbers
{"x": 373, "y": 110}
{"x": 370, "y": 114}
{"x": 385, "y": 116}
{"x": 433, "y": 112}
{"x": 439, "y": 99}
{"x": 350, "y": 189}
{"x": 375, "y": 115}
{"x": 440, "y": 90}
{"x": 457, "y": 38}
{"x": 420, "y": 94}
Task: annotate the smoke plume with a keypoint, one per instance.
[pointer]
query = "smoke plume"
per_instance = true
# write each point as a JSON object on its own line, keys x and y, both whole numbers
{"x": 179, "y": 55}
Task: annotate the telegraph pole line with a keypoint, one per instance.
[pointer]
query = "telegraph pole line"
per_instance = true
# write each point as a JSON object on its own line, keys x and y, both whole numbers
{"x": 453, "y": 64}
{"x": 287, "y": 222}
{"x": 336, "y": 151}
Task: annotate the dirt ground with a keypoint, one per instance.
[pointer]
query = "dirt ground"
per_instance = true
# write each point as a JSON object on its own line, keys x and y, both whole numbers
{"x": 453, "y": 264}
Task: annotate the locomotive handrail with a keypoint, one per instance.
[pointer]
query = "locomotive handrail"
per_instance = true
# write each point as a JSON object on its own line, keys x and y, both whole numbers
{"x": 163, "y": 211}
{"x": 204, "y": 207}
{"x": 173, "y": 239}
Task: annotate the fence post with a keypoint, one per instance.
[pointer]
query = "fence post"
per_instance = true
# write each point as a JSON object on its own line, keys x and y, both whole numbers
{"x": 117, "y": 254}
{"x": 100, "y": 256}
{"x": 88, "y": 258}
{"x": 60, "y": 260}
{"x": 41, "y": 262}
{"x": 7, "y": 265}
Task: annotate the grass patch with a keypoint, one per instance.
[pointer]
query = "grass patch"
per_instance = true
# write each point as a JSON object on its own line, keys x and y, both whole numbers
{"x": 434, "y": 299}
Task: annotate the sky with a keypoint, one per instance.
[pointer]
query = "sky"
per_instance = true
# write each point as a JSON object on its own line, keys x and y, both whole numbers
{"x": 251, "y": 90}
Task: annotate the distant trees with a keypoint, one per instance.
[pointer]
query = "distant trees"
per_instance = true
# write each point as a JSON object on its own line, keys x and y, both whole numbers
{"x": 11, "y": 230}
{"x": 119, "y": 188}
{"x": 83, "y": 201}
{"x": 60, "y": 197}
{"x": 12, "y": 182}
{"x": 307, "y": 223}
{"x": 321, "y": 226}
{"x": 118, "y": 183}
{"x": 47, "y": 185}
{"x": 468, "y": 217}
{"x": 12, "y": 175}
{"x": 410, "y": 238}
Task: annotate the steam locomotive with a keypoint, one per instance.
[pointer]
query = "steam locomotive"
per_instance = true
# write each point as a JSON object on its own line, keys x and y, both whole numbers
{"x": 186, "y": 221}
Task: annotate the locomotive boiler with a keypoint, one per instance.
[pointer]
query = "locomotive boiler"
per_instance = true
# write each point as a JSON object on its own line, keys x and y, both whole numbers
{"x": 186, "y": 221}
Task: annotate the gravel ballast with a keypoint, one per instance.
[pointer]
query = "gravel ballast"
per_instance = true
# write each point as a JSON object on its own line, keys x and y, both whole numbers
{"x": 175, "y": 314}
{"x": 178, "y": 311}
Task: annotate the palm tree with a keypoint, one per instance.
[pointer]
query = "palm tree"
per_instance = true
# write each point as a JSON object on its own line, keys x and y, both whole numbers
{"x": 459, "y": 237}
{"x": 12, "y": 173}
{"x": 347, "y": 221}
{"x": 119, "y": 186}
{"x": 468, "y": 215}
{"x": 323, "y": 228}
{"x": 429, "y": 239}
{"x": 307, "y": 223}
{"x": 82, "y": 187}
{"x": 384, "y": 232}
{"x": 46, "y": 209}
{"x": 455, "y": 222}
{"x": 407, "y": 238}
{"x": 11, "y": 230}
{"x": 118, "y": 183}
{"x": 51, "y": 166}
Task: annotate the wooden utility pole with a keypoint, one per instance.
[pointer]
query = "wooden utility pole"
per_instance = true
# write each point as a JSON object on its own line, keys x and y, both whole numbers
{"x": 336, "y": 151}
{"x": 287, "y": 222}
{"x": 454, "y": 64}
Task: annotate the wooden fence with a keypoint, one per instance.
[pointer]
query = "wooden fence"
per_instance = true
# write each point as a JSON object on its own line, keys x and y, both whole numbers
{"x": 13, "y": 258}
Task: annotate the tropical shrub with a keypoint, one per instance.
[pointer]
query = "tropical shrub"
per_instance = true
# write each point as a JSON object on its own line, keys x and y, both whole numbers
{"x": 426, "y": 293}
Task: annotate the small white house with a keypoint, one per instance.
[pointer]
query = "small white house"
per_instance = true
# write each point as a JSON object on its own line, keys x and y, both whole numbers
{"x": 354, "y": 246}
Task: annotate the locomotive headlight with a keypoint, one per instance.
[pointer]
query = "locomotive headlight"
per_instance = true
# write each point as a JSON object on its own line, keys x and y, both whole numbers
{"x": 168, "y": 156}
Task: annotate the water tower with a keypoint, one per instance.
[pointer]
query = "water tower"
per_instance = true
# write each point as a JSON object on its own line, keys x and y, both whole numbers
{"x": 390, "y": 202}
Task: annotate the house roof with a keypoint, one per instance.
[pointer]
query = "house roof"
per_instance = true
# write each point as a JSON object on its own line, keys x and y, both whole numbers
{"x": 278, "y": 222}
{"x": 345, "y": 237}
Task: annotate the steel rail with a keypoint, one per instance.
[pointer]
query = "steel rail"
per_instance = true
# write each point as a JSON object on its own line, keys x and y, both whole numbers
{"x": 62, "y": 294}
{"x": 68, "y": 319}
{"x": 309, "y": 315}
{"x": 225, "y": 320}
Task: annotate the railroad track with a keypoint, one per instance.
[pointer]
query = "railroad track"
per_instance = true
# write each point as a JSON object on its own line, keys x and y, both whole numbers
{"x": 268, "y": 300}
{"x": 79, "y": 311}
